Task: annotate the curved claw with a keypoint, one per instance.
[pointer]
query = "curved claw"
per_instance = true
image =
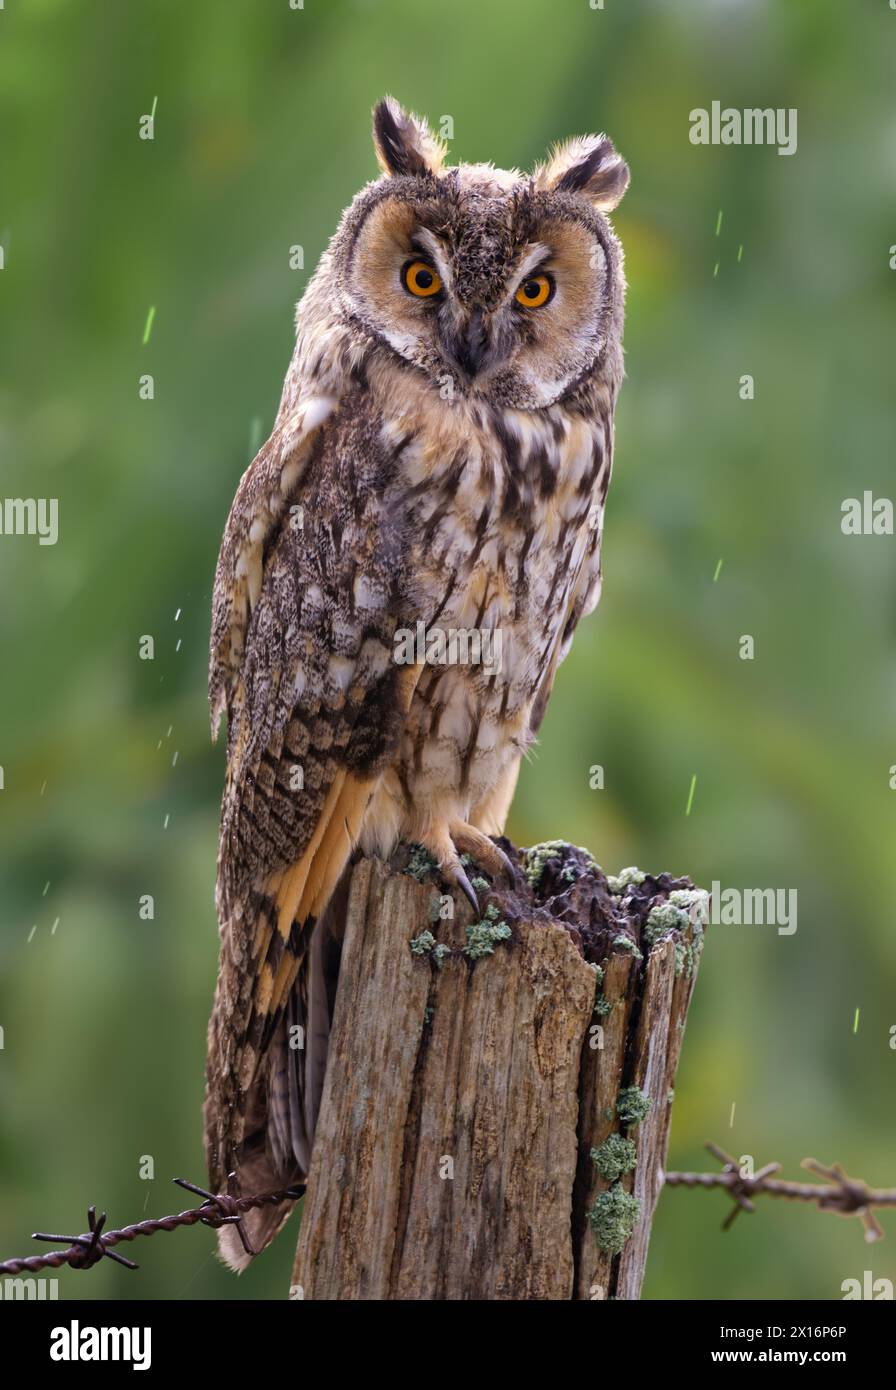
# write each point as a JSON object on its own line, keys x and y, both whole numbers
{"x": 459, "y": 874}
{"x": 447, "y": 842}
{"x": 484, "y": 851}
{"x": 508, "y": 866}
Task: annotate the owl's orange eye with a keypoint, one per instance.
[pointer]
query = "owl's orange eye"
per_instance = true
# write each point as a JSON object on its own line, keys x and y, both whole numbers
{"x": 420, "y": 279}
{"x": 535, "y": 291}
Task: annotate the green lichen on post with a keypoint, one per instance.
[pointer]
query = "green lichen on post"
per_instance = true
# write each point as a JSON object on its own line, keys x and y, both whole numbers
{"x": 617, "y": 883}
{"x": 535, "y": 860}
{"x": 632, "y": 1105}
{"x": 420, "y": 863}
{"x": 426, "y": 945}
{"x": 613, "y": 1217}
{"x": 616, "y": 1156}
{"x": 694, "y": 947}
{"x": 625, "y": 943}
{"x": 663, "y": 919}
{"x": 482, "y": 937}
{"x": 687, "y": 955}
{"x": 695, "y": 902}
{"x": 602, "y": 1006}
{"x": 685, "y": 912}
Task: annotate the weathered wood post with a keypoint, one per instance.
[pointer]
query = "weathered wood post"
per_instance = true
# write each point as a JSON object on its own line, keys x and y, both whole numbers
{"x": 498, "y": 1093}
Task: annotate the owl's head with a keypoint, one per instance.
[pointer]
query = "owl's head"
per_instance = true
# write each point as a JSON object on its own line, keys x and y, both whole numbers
{"x": 507, "y": 285}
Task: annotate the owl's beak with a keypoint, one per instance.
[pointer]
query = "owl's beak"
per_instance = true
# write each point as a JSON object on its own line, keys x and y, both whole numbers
{"x": 471, "y": 344}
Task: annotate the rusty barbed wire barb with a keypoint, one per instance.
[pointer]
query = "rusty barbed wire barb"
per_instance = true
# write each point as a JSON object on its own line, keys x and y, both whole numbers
{"x": 222, "y": 1210}
{"x": 839, "y": 1193}
{"x": 86, "y": 1250}
{"x": 91, "y": 1246}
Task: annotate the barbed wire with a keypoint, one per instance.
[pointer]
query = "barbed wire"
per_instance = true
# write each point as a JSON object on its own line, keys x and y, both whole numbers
{"x": 839, "y": 1193}
{"x": 86, "y": 1250}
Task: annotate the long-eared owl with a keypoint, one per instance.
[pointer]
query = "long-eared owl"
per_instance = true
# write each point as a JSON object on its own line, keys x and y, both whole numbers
{"x": 438, "y": 465}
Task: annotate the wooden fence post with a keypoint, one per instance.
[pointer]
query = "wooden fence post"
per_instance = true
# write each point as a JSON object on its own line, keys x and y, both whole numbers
{"x": 498, "y": 1094}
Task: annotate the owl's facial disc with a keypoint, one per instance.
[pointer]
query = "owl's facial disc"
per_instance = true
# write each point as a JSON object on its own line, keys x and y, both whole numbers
{"x": 512, "y": 315}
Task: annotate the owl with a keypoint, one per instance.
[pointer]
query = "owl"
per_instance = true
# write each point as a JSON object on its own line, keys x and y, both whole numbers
{"x": 401, "y": 574}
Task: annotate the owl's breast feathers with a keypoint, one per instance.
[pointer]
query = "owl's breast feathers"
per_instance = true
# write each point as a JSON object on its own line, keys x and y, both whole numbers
{"x": 504, "y": 516}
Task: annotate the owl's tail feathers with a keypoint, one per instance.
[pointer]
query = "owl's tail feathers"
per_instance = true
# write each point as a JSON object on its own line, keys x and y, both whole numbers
{"x": 283, "y": 1104}
{"x": 256, "y": 1174}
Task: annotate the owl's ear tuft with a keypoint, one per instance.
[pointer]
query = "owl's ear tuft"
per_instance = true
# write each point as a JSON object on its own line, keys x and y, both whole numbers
{"x": 588, "y": 165}
{"x": 404, "y": 142}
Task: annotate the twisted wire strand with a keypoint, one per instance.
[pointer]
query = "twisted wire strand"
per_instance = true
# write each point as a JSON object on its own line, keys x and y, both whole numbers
{"x": 86, "y": 1250}
{"x": 838, "y": 1192}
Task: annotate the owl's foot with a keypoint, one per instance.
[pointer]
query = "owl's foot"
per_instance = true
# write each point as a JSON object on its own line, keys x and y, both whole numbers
{"x": 446, "y": 844}
{"x": 483, "y": 851}
{"x": 440, "y": 846}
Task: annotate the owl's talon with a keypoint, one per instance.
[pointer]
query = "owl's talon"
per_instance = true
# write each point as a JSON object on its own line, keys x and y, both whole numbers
{"x": 510, "y": 870}
{"x": 458, "y": 873}
{"x": 491, "y": 857}
{"x": 444, "y": 850}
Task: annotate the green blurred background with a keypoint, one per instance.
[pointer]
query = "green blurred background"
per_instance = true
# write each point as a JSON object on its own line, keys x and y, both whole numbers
{"x": 111, "y": 784}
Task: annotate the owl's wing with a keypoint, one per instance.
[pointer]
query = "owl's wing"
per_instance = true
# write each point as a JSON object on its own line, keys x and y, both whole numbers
{"x": 316, "y": 705}
{"x": 264, "y": 493}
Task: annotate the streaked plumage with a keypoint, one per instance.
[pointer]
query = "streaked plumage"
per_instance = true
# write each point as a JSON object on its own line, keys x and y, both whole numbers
{"x": 440, "y": 460}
